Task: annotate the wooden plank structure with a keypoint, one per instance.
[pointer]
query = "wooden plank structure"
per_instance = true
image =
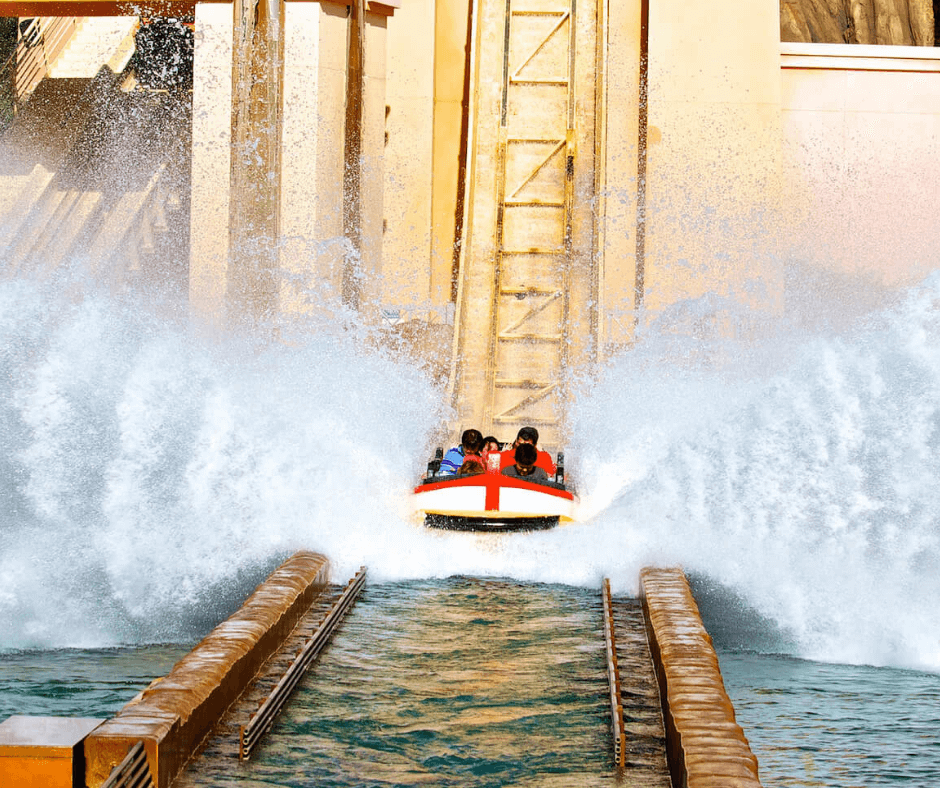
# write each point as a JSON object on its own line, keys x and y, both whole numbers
{"x": 636, "y": 714}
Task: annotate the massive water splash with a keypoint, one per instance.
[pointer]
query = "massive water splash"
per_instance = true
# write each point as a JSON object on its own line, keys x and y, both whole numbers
{"x": 799, "y": 474}
{"x": 150, "y": 478}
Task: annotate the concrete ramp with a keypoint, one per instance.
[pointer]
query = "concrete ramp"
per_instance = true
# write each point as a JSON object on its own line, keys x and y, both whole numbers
{"x": 526, "y": 314}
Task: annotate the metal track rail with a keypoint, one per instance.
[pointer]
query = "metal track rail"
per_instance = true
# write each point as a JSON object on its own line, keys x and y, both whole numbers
{"x": 251, "y": 733}
{"x": 613, "y": 677}
{"x": 132, "y": 772}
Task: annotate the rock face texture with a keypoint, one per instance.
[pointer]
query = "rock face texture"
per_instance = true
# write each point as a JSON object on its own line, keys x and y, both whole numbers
{"x": 899, "y": 22}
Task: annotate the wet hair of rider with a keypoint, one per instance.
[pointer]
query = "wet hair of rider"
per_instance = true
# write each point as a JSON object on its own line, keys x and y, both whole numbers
{"x": 470, "y": 468}
{"x": 472, "y": 441}
{"x": 527, "y": 435}
{"x": 525, "y": 455}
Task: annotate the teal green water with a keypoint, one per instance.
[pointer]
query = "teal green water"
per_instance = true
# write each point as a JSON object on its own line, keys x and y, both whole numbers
{"x": 79, "y": 682}
{"x": 477, "y": 683}
{"x": 816, "y": 724}
{"x": 497, "y": 683}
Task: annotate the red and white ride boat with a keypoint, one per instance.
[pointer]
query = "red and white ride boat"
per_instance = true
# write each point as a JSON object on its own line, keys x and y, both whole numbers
{"x": 493, "y": 502}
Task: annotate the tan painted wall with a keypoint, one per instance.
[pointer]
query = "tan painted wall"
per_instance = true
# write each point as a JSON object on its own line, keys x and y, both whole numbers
{"x": 714, "y": 152}
{"x": 617, "y": 203}
{"x": 211, "y": 161}
{"x": 373, "y": 166}
{"x": 312, "y": 158}
{"x": 861, "y": 146}
{"x": 310, "y": 239}
{"x": 424, "y": 93}
{"x": 408, "y": 157}
{"x": 450, "y": 67}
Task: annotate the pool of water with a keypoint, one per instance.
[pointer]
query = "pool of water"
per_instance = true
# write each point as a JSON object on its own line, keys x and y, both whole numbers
{"x": 79, "y": 682}
{"x": 496, "y": 683}
{"x": 462, "y": 682}
{"x": 812, "y": 723}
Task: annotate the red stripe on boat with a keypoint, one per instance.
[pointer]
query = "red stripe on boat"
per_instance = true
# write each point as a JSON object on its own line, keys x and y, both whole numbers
{"x": 495, "y": 479}
{"x": 491, "y": 503}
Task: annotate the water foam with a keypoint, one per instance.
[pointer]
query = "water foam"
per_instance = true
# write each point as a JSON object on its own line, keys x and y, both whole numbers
{"x": 810, "y": 490}
{"x": 151, "y": 479}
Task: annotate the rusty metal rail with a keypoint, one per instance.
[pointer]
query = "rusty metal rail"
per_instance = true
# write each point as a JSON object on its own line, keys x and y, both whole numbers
{"x": 251, "y": 733}
{"x": 613, "y": 677}
{"x": 132, "y": 772}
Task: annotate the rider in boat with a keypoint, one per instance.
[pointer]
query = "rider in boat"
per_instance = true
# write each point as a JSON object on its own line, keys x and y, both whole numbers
{"x": 528, "y": 435}
{"x": 471, "y": 444}
{"x": 524, "y": 466}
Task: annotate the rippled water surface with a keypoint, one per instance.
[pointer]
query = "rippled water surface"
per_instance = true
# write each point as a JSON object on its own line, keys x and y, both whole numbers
{"x": 495, "y": 682}
{"x": 449, "y": 683}
{"x": 815, "y": 724}
{"x": 79, "y": 683}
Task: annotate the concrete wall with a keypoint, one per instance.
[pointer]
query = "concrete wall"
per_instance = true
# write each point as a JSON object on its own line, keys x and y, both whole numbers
{"x": 617, "y": 160}
{"x": 861, "y": 150}
{"x": 312, "y": 177}
{"x": 713, "y": 167}
{"x": 824, "y": 153}
{"x": 211, "y": 161}
{"x": 311, "y": 160}
{"x": 408, "y": 157}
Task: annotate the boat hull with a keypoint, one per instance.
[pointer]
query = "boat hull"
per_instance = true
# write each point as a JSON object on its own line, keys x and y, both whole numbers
{"x": 492, "y": 502}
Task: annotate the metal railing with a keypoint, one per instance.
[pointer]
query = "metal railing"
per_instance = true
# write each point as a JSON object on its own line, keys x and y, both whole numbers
{"x": 40, "y": 41}
{"x": 250, "y": 735}
{"x": 132, "y": 772}
{"x": 613, "y": 677}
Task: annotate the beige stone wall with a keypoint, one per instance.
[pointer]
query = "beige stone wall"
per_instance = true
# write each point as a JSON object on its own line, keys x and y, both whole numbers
{"x": 408, "y": 156}
{"x": 713, "y": 168}
{"x": 735, "y": 144}
{"x": 617, "y": 203}
{"x": 312, "y": 157}
{"x": 861, "y": 143}
{"x": 450, "y": 72}
{"x": 424, "y": 93}
{"x": 211, "y": 161}
{"x": 310, "y": 243}
{"x": 373, "y": 166}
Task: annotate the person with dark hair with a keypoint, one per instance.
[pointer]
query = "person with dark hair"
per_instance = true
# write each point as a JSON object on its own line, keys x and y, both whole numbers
{"x": 491, "y": 457}
{"x": 523, "y": 467}
{"x": 530, "y": 436}
{"x": 490, "y": 444}
{"x": 471, "y": 444}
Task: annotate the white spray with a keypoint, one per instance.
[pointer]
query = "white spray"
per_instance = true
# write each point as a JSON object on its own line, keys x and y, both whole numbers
{"x": 149, "y": 480}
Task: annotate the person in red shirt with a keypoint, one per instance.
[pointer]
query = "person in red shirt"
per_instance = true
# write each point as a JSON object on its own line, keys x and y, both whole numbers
{"x": 528, "y": 435}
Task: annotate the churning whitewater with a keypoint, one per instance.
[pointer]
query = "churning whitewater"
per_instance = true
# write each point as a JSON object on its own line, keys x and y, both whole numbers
{"x": 151, "y": 478}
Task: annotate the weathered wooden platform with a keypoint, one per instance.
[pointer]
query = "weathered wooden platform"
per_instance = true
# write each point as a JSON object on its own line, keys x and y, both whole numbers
{"x": 645, "y": 741}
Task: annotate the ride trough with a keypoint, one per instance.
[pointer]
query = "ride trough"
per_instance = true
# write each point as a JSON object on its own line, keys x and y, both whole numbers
{"x": 491, "y": 501}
